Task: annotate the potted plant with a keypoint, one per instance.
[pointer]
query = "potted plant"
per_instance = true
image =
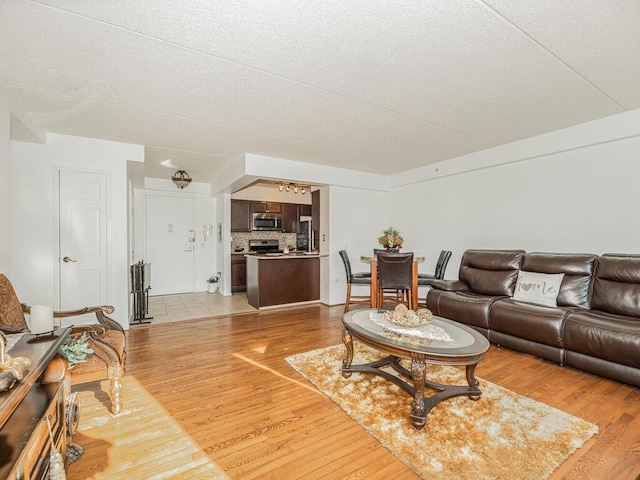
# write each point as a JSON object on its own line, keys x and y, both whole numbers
{"x": 213, "y": 283}
{"x": 391, "y": 239}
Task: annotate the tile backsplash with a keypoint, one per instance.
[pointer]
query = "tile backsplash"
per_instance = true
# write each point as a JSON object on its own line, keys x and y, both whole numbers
{"x": 241, "y": 239}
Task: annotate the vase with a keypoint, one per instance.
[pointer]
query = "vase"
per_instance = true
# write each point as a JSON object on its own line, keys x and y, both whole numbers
{"x": 392, "y": 249}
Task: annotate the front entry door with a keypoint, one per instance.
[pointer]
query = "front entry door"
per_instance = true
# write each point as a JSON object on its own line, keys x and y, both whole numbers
{"x": 170, "y": 243}
{"x": 83, "y": 239}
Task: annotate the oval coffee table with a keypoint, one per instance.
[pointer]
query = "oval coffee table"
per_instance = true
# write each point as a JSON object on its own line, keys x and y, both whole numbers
{"x": 441, "y": 342}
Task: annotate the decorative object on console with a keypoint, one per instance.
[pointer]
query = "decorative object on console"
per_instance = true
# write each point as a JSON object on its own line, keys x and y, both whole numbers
{"x": 181, "y": 179}
{"x": 391, "y": 239}
{"x": 11, "y": 369}
{"x": 41, "y": 319}
{"x": 538, "y": 288}
{"x": 76, "y": 349}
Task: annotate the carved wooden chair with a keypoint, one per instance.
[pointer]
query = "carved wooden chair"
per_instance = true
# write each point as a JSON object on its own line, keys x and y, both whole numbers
{"x": 107, "y": 340}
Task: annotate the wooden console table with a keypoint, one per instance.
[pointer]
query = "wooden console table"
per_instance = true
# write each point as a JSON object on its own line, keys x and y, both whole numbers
{"x": 24, "y": 434}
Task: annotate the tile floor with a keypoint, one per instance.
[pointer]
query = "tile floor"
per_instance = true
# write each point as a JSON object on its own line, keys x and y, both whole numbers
{"x": 189, "y": 306}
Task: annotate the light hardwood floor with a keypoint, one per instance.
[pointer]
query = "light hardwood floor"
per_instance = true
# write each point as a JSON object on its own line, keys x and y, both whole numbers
{"x": 226, "y": 382}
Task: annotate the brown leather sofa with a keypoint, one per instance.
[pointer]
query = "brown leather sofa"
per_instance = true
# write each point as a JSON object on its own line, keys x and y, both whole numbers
{"x": 595, "y": 326}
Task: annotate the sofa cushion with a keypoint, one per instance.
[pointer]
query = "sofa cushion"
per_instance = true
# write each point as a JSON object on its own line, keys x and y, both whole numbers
{"x": 577, "y": 268}
{"x": 616, "y": 288}
{"x": 464, "y": 307}
{"x": 491, "y": 272}
{"x": 532, "y": 322}
{"x": 615, "y": 338}
{"x": 538, "y": 288}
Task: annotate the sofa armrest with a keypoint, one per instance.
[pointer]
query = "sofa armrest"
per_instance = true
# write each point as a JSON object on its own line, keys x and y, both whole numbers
{"x": 451, "y": 285}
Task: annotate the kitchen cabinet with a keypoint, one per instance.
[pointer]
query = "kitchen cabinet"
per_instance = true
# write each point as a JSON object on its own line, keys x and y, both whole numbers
{"x": 305, "y": 210}
{"x": 266, "y": 207}
{"x": 282, "y": 280}
{"x": 240, "y": 216}
{"x": 291, "y": 217}
{"x": 238, "y": 273}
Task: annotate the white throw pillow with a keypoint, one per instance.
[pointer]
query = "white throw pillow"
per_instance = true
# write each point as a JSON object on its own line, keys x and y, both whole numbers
{"x": 538, "y": 288}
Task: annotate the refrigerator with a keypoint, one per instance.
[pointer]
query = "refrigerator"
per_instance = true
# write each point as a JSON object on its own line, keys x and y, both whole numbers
{"x": 304, "y": 240}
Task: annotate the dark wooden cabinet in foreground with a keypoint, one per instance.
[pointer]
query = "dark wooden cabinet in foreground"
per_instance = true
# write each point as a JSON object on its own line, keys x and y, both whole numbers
{"x": 282, "y": 280}
{"x": 25, "y": 443}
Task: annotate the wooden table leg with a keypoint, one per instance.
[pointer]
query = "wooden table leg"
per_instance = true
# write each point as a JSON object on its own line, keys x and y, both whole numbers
{"x": 414, "y": 286}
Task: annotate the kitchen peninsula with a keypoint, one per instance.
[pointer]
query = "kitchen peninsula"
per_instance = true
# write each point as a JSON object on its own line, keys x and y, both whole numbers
{"x": 279, "y": 279}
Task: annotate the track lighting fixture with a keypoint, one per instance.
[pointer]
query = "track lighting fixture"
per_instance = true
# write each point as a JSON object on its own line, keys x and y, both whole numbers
{"x": 286, "y": 187}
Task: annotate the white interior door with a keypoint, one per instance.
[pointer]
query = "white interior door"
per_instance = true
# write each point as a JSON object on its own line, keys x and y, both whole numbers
{"x": 83, "y": 239}
{"x": 170, "y": 243}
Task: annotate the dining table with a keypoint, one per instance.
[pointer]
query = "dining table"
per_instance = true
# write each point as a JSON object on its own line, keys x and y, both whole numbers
{"x": 373, "y": 262}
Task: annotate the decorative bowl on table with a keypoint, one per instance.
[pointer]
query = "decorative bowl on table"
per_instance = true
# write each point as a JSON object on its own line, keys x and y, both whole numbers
{"x": 404, "y": 317}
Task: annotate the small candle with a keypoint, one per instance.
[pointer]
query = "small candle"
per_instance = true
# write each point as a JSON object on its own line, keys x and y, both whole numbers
{"x": 41, "y": 319}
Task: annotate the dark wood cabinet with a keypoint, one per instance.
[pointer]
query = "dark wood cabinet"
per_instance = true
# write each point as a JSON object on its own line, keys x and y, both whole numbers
{"x": 291, "y": 217}
{"x": 25, "y": 442}
{"x": 266, "y": 207}
{"x": 305, "y": 210}
{"x": 240, "y": 216}
{"x": 238, "y": 273}
{"x": 283, "y": 280}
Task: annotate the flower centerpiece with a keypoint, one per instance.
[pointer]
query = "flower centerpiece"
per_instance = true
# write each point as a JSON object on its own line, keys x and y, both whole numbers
{"x": 391, "y": 239}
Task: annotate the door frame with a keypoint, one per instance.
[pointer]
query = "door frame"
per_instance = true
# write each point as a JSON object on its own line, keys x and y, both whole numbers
{"x": 57, "y": 293}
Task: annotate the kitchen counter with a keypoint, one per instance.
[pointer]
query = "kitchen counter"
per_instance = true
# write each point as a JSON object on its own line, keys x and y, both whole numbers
{"x": 280, "y": 279}
{"x": 273, "y": 256}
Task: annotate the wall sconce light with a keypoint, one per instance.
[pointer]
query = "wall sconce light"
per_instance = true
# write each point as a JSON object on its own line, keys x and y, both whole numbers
{"x": 181, "y": 179}
{"x": 207, "y": 231}
{"x": 286, "y": 187}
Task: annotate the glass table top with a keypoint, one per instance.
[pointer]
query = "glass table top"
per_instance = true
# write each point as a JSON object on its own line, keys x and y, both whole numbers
{"x": 440, "y": 334}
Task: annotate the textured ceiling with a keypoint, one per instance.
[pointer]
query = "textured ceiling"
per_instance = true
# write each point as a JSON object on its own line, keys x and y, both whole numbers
{"x": 371, "y": 85}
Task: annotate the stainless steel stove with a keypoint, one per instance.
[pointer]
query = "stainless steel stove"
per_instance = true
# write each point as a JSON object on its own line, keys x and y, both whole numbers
{"x": 264, "y": 246}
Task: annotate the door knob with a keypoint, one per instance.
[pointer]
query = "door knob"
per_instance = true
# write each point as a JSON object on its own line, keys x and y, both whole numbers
{"x": 69, "y": 259}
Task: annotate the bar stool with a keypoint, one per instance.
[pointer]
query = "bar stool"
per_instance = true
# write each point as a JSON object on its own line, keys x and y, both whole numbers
{"x": 441, "y": 266}
{"x": 358, "y": 278}
{"x": 394, "y": 274}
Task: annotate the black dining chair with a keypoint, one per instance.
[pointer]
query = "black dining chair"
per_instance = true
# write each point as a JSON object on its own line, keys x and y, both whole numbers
{"x": 358, "y": 278}
{"x": 394, "y": 275}
{"x": 441, "y": 265}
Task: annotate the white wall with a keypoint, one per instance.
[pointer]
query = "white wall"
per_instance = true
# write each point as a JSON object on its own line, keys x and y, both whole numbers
{"x": 5, "y": 187}
{"x": 356, "y": 219}
{"x": 584, "y": 198}
{"x": 33, "y": 176}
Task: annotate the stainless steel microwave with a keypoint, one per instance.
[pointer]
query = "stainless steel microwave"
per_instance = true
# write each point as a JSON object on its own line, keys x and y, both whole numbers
{"x": 266, "y": 221}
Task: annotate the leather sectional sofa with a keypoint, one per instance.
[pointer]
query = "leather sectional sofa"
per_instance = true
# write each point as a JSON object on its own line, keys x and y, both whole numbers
{"x": 593, "y": 323}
